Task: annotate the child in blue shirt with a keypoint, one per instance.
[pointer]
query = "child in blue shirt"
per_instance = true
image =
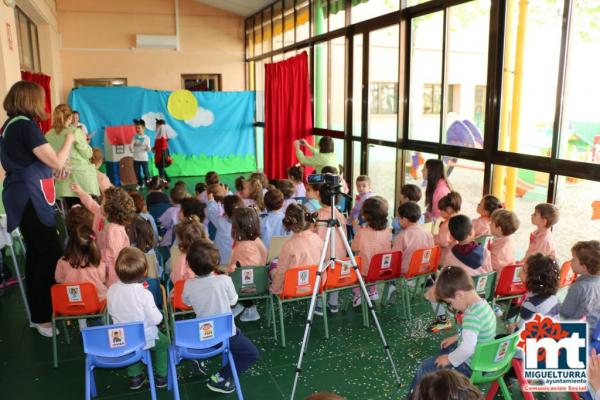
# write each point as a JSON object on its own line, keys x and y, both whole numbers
{"x": 407, "y": 193}
{"x": 222, "y": 222}
{"x": 271, "y": 223}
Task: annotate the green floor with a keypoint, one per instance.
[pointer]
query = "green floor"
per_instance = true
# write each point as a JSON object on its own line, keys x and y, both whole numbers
{"x": 352, "y": 362}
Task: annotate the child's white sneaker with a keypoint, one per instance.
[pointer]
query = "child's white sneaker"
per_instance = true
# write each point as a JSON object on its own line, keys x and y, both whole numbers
{"x": 250, "y": 314}
{"x": 43, "y": 330}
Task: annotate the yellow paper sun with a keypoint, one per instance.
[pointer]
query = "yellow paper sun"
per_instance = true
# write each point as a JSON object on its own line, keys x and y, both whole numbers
{"x": 182, "y": 105}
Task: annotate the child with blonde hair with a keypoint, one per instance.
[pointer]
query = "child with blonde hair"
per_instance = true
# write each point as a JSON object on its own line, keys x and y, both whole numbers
{"x": 253, "y": 194}
{"x": 503, "y": 223}
{"x": 373, "y": 239}
{"x": 544, "y": 218}
{"x": 187, "y": 231}
{"x": 98, "y": 159}
{"x": 118, "y": 210}
{"x": 485, "y": 208}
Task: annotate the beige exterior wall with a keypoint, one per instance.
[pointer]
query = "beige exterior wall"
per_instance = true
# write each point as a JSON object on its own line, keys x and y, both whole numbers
{"x": 98, "y": 41}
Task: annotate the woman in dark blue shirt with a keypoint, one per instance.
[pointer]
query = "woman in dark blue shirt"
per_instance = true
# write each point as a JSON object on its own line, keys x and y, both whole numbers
{"x": 29, "y": 196}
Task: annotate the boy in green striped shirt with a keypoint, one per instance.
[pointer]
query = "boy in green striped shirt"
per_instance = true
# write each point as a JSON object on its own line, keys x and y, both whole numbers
{"x": 455, "y": 288}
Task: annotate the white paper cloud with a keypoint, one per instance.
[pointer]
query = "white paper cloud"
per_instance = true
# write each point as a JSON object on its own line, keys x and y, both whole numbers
{"x": 203, "y": 117}
{"x": 150, "y": 119}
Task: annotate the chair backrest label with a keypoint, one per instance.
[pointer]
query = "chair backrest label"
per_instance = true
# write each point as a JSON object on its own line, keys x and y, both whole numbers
{"x": 386, "y": 261}
{"x": 502, "y": 350}
{"x": 345, "y": 269}
{"x": 207, "y": 330}
{"x": 516, "y": 276}
{"x": 426, "y": 256}
{"x": 481, "y": 284}
{"x": 116, "y": 338}
{"x": 248, "y": 276}
{"x": 303, "y": 277}
{"x": 74, "y": 293}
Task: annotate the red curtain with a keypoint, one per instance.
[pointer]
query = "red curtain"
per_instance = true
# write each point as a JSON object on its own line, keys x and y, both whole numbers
{"x": 44, "y": 81}
{"x": 288, "y": 114}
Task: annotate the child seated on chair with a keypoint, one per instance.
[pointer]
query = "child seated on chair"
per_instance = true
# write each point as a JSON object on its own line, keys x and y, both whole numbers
{"x": 503, "y": 223}
{"x": 142, "y": 211}
{"x": 408, "y": 193}
{"x": 446, "y": 384}
{"x": 287, "y": 188}
{"x": 373, "y": 239}
{"x": 455, "y": 288}
{"x": 271, "y": 224}
{"x": 200, "y": 188}
{"x": 212, "y": 294}
{"x": 412, "y": 237}
{"x": 155, "y": 194}
{"x": 467, "y": 254}
{"x": 583, "y": 297}
{"x": 363, "y": 192}
{"x": 541, "y": 275}
{"x": 303, "y": 248}
{"x": 98, "y": 159}
{"x": 222, "y": 222}
{"x": 129, "y": 301}
{"x": 544, "y": 218}
{"x": 263, "y": 179}
{"x": 312, "y": 194}
{"x": 253, "y": 194}
{"x": 296, "y": 175}
{"x": 449, "y": 206}
{"x": 485, "y": 208}
{"x": 141, "y": 236}
{"x": 211, "y": 178}
{"x": 170, "y": 217}
{"x": 248, "y": 251}
{"x": 187, "y": 231}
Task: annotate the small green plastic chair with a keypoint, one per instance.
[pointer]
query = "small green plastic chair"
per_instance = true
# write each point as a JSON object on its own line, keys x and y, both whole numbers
{"x": 492, "y": 360}
{"x": 252, "y": 283}
{"x": 485, "y": 285}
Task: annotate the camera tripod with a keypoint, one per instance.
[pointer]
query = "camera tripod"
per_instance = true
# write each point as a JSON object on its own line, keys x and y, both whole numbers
{"x": 329, "y": 244}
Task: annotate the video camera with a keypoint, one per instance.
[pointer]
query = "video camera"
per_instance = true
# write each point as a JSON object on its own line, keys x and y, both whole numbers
{"x": 328, "y": 179}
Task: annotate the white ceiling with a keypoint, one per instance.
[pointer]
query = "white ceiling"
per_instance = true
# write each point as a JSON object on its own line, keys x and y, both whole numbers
{"x": 244, "y": 8}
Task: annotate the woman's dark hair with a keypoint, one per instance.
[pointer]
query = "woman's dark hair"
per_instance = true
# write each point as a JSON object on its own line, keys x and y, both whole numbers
{"x": 543, "y": 275}
{"x": 326, "y": 145}
{"x": 273, "y": 200}
{"x": 26, "y": 98}
{"x": 435, "y": 172}
{"x": 82, "y": 250}
{"x": 298, "y": 219}
{"x": 245, "y": 224}
{"x": 446, "y": 384}
{"x": 141, "y": 234}
{"x": 491, "y": 203}
{"x": 296, "y": 173}
{"x": 230, "y": 203}
{"x": 287, "y": 188}
{"x": 191, "y": 206}
{"x": 202, "y": 257}
{"x": 118, "y": 206}
{"x": 188, "y": 231}
{"x": 375, "y": 211}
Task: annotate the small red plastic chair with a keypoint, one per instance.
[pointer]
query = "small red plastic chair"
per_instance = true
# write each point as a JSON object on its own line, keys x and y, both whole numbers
{"x": 176, "y": 305}
{"x": 567, "y": 276}
{"x": 384, "y": 267}
{"x": 298, "y": 285}
{"x": 343, "y": 277}
{"x": 73, "y": 301}
{"x": 510, "y": 286}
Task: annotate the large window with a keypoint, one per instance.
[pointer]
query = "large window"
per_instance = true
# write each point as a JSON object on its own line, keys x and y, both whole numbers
{"x": 27, "y": 36}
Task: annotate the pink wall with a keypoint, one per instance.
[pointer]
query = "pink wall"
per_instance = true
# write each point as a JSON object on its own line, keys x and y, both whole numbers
{"x": 98, "y": 41}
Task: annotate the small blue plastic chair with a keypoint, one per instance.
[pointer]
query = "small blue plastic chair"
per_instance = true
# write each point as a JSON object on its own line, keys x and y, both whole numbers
{"x": 199, "y": 339}
{"x": 114, "y": 346}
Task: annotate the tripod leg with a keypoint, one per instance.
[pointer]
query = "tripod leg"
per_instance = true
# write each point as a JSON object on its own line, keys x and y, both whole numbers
{"x": 311, "y": 308}
{"x": 363, "y": 288}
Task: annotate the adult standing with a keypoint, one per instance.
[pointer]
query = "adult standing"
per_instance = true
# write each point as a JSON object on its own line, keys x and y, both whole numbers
{"x": 28, "y": 193}
{"x": 79, "y": 170}
{"x": 437, "y": 187}
{"x": 321, "y": 157}
{"x": 162, "y": 158}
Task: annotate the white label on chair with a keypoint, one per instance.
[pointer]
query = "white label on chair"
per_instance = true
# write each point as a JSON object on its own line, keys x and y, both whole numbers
{"x": 248, "y": 276}
{"x": 303, "y": 277}
{"x": 116, "y": 338}
{"x": 74, "y": 293}
{"x": 207, "y": 330}
{"x": 516, "y": 276}
{"x": 481, "y": 284}
{"x": 426, "y": 257}
{"x": 345, "y": 269}
{"x": 386, "y": 261}
{"x": 502, "y": 350}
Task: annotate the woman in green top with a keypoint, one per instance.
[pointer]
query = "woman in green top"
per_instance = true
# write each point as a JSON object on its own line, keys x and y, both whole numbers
{"x": 320, "y": 158}
{"x": 82, "y": 170}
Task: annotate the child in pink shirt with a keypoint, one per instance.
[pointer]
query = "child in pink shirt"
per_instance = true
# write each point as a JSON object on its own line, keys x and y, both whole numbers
{"x": 485, "y": 208}
{"x": 302, "y": 249}
{"x": 502, "y": 249}
{"x": 296, "y": 175}
{"x": 97, "y": 159}
{"x": 449, "y": 206}
{"x": 248, "y": 250}
{"x": 437, "y": 187}
{"x": 81, "y": 261}
{"x": 544, "y": 218}
{"x": 411, "y": 238}
{"x": 110, "y": 219}
{"x": 187, "y": 231}
{"x": 373, "y": 239}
